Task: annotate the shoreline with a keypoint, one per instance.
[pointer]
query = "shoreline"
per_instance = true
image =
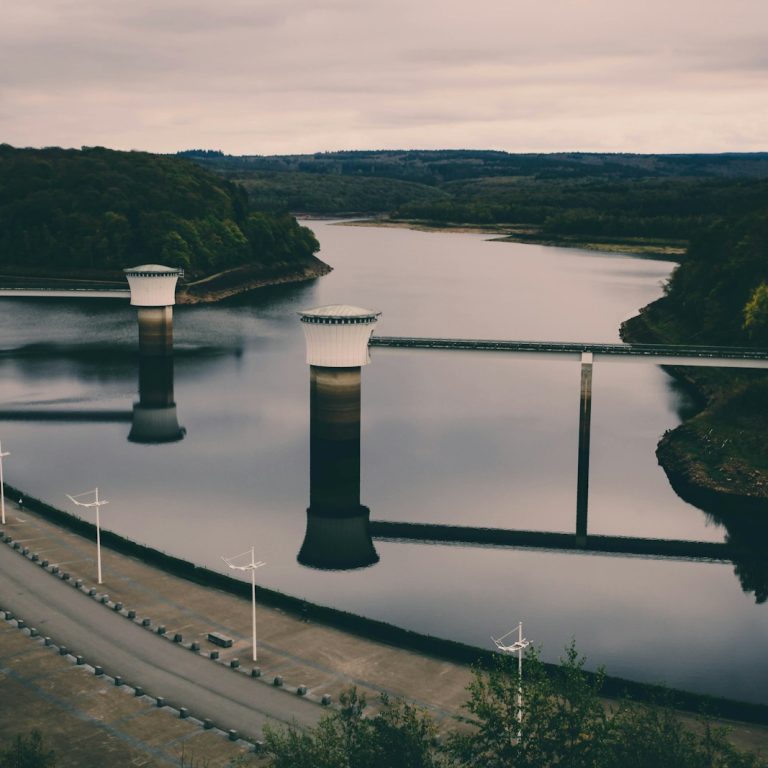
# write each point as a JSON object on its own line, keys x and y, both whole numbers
{"x": 429, "y": 646}
{"x": 686, "y": 453}
{"x": 207, "y": 290}
{"x": 529, "y": 235}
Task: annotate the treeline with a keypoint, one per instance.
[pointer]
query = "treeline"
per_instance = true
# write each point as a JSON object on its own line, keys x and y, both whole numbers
{"x": 577, "y": 195}
{"x": 70, "y": 211}
{"x": 657, "y": 208}
{"x": 435, "y": 167}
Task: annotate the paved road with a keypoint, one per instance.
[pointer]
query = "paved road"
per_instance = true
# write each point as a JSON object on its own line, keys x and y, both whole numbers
{"x": 229, "y": 699}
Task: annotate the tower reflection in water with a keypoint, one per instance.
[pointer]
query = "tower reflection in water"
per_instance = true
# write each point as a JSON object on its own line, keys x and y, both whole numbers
{"x": 153, "y": 293}
{"x": 338, "y": 526}
{"x": 154, "y": 417}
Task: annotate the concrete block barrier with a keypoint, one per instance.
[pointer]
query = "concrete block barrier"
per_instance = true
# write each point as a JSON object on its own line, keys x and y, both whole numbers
{"x": 92, "y": 592}
{"x": 183, "y": 713}
{"x": 195, "y": 646}
{"x": 277, "y": 681}
{"x": 234, "y": 663}
{"x": 43, "y": 563}
{"x": 213, "y": 655}
{"x": 104, "y": 599}
{"x": 160, "y": 701}
{"x": 138, "y": 691}
{"x": 33, "y": 632}
{"x": 161, "y": 629}
{"x": 47, "y": 641}
{"x": 301, "y": 690}
{"x": 98, "y": 671}
{"x": 117, "y": 607}
{"x": 131, "y": 614}
{"x": 256, "y": 672}
{"x": 118, "y": 681}
{"x": 79, "y": 660}
{"x": 177, "y": 638}
{"x": 63, "y": 650}
{"x": 232, "y": 733}
{"x": 146, "y": 622}
{"x": 20, "y": 623}
{"x": 207, "y": 724}
{"x": 326, "y": 700}
{"x": 78, "y": 583}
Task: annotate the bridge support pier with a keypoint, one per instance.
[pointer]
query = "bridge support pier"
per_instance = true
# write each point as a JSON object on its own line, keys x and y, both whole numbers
{"x": 585, "y": 421}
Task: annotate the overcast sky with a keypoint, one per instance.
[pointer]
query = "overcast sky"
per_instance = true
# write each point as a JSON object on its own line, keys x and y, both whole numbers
{"x": 289, "y": 76}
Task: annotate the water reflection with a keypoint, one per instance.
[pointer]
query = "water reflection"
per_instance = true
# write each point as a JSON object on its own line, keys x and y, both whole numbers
{"x": 154, "y": 416}
{"x": 338, "y": 535}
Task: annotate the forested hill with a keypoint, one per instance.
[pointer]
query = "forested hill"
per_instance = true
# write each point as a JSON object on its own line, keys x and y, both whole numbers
{"x": 561, "y": 197}
{"x": 95, "y": 211}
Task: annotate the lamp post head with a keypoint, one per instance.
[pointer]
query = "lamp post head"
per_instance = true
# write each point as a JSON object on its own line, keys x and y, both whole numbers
{"x": 153, "y": 285}
{"x": 337, "y": 335}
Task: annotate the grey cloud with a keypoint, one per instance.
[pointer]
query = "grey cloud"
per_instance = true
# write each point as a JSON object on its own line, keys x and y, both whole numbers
{"x": 304, "y": 75}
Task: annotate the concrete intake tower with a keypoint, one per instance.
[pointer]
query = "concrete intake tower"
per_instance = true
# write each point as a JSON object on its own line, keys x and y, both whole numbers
{"x": 153, "y": 292}
{"x": 337, "y": 535}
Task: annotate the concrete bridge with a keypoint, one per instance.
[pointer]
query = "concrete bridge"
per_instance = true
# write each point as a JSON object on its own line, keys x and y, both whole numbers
{"x": 587, "y": 354}
{"x": 659, "y": 354}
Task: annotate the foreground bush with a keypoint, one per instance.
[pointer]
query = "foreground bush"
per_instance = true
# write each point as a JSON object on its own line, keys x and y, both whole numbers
{"x": 28, "y": 752}
{"x": 564, "y": 723}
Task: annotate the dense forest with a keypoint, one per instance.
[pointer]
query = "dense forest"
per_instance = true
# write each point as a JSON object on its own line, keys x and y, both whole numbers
{"x": 95, "y": 211}
{"x": 719, "y": 295}
{"x": 556, "y": 196}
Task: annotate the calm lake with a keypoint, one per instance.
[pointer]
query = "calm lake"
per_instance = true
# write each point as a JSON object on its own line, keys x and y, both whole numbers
{"x": 461, "y": 438}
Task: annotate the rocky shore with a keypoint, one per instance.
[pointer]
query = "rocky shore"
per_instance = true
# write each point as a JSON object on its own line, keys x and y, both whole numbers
{"x": 207, "y": 290}
{"x": 248, "y": 278}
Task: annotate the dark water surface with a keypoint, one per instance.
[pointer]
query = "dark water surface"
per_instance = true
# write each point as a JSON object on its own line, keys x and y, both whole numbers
{"x": 447, "y": 437}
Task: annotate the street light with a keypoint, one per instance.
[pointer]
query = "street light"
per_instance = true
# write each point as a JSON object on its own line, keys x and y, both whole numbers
{"x": 95, "y": 503}
{"x": 2, "y": 487}
{"x": 517, "y": 646}
{"x": 252, "y": 566}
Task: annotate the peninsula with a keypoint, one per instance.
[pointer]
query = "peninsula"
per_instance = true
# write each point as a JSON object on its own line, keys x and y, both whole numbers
{"x": 83, "y": 215}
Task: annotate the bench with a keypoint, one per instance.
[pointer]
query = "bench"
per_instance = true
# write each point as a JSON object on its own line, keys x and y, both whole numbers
{"x": 218, "y": 639}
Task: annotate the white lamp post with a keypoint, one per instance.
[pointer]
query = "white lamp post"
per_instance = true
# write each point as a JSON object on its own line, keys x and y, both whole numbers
{"x": 252, "y": 566}
{"x": 517, "y": 646}
{"x": 2, "y": 487}
{"x": 95, "y": 503}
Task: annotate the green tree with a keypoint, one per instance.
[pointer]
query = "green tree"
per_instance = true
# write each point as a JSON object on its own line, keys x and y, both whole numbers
{"x": 28, "y": 752}
{"x": 563, "y": 721}
{"x": 398, "y": 736}
{"x": 756, "y": 314}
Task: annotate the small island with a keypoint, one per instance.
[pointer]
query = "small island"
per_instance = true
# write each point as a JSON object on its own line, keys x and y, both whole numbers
{"x": 74, "y": 218}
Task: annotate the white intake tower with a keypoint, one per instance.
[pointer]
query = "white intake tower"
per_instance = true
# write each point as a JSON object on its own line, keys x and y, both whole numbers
{"x": 337, "y": 335}
{"x": 153, "y": 285}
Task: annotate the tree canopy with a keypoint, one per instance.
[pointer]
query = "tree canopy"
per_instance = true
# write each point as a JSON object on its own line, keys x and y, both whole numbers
{"x": 101, "y": 210}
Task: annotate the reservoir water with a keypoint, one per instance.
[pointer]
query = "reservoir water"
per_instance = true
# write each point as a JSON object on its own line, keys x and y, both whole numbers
{"x": 461, "y": 438}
